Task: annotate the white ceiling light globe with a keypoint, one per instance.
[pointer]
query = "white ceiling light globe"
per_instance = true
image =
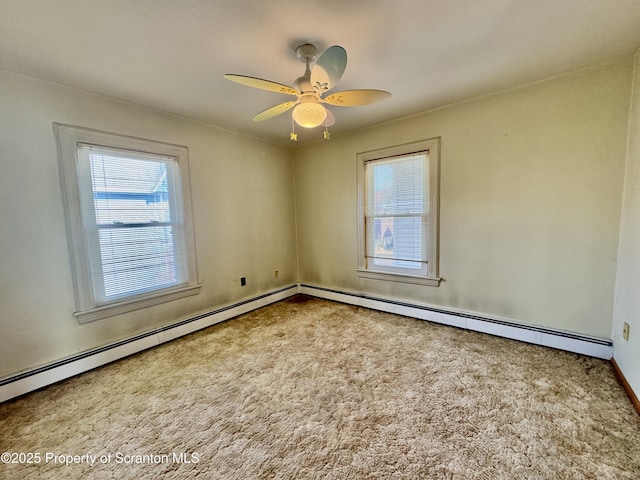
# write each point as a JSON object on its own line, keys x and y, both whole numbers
{"x": 309, "y": 115}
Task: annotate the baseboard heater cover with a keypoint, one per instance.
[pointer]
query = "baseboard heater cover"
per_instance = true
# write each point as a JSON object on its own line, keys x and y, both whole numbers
{"x": 19, "y": 384}
{"x": 562, "y": 340}
{"x": 33, "y": 379}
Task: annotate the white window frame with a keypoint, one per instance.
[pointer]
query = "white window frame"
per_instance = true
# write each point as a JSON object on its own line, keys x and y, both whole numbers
{"x": 364, "y": 270}
{"x": 87, "y": 308}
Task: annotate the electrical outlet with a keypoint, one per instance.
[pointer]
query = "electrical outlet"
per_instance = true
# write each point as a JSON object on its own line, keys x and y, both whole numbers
{"x": 243, "y": 281}
{"x": 625, "y": 331}
{"x": 276, "y": 273}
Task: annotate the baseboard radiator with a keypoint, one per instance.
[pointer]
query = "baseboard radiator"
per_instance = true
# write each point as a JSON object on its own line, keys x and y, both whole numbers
{"x": 568, "y": 341}
{"x": 33, "y": 379}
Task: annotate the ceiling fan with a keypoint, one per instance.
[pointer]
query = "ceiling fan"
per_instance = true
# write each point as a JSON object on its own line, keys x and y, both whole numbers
{"x": 310, "y": 90}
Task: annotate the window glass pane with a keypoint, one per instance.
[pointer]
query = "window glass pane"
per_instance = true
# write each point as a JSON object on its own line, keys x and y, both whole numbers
{"x": 397, "y": 208}
{"x": 399, "y": 186}
{"x": 398, "y": 242}
{"x": 127, "y": 190}
{"x": 136, "y": 260}
{"x": 129, "y": 193}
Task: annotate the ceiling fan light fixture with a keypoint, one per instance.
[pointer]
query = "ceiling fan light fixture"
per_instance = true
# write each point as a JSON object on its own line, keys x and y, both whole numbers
{"x": 309, "y": 115}
{"x": 311, "y": 88}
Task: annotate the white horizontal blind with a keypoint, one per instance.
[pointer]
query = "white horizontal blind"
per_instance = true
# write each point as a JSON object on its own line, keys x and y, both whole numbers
{"x": 397, "y": 210}
{"x": 133, "y": 217}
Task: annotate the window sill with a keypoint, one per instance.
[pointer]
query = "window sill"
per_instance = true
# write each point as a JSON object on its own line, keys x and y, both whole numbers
{"x": 97, "y": 313}
{"x": 399, "y": 277}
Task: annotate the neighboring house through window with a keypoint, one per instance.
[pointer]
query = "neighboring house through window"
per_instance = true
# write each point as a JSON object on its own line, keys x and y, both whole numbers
{"x": 398, "y": 213}
{"x": 128, "y": 211}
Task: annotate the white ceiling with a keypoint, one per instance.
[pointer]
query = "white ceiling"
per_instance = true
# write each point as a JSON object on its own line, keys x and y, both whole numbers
{"x": 171, "y": 55}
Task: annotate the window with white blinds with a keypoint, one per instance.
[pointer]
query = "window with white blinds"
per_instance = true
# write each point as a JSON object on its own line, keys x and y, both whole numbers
{"x": 398, "y": 211}
{"x": 132, "y": 213}
{"x": 397, "y": 214}
{"x": 128, "y": 213}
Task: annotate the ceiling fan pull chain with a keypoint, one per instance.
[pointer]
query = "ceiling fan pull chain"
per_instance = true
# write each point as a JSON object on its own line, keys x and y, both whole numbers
{"x": 293, "y": 136}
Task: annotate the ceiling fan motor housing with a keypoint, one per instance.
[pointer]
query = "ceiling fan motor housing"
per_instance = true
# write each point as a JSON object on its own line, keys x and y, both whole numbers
{"x": 303, "y": 84}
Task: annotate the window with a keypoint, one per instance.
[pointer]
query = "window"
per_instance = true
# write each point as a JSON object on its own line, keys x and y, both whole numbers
{"x": 128, "y": 210}
{"x": 398, "y": 213}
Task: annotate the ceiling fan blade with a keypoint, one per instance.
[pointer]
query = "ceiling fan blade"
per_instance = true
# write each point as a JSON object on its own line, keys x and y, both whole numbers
{"x": 274, "y": 111}
{"x": 328, "y": 69}
{"x": 260, "y": 83}
{"x": 354, "y": 98}
{"x": 330, "y": 120}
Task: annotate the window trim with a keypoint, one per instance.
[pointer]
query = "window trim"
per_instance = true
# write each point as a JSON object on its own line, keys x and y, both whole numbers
{"x": 87, "y": 309}
{"x": 432, "y": 145}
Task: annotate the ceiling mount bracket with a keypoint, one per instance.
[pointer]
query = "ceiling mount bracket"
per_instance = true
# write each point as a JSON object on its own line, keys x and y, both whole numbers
{"x": 307, "y": 53}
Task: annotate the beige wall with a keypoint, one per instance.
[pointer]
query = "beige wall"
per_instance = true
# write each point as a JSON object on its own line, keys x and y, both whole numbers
{"x": 531, "y": 184}
{"x": 243, "y": 203}
{"x": 531, "y": 193}
{"x": 627, "y": 298}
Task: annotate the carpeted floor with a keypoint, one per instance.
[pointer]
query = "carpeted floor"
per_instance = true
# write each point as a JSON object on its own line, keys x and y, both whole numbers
{"x": 311, "y": 389}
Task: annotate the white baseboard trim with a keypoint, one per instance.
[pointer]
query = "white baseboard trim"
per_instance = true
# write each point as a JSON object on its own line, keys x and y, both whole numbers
{"x": 568, "y": 341}
{"x": 19, "y": 384}
{"x": 24, "y": 382}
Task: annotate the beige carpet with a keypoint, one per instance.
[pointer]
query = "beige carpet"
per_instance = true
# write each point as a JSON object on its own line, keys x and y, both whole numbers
{"x": 312, "y": 389}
